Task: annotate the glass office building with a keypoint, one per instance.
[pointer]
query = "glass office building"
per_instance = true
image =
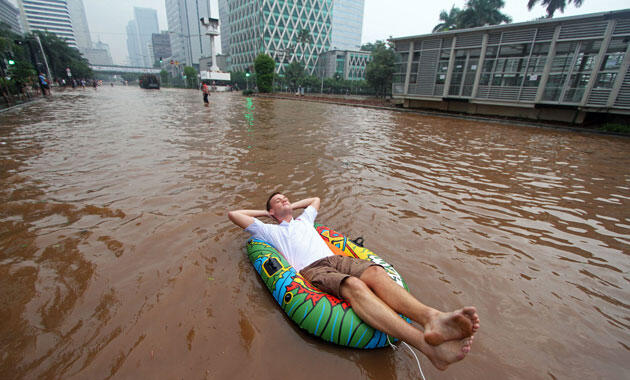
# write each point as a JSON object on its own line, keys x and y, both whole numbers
{"x": 549, "y": 69}
{"x": 347, "y": 24}
{"x": 272, "y": 27}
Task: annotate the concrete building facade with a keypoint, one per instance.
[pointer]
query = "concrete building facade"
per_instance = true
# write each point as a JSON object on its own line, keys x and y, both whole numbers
{"x": 47, "y": 15}
{"x": 349, "y": 64}
{"x": 99, "y": 54}
{"x": 552, "y": 69}
{"x": 10, "y": 16}
{"x": 161, "y": 43}
{"x": 188, "y": 39}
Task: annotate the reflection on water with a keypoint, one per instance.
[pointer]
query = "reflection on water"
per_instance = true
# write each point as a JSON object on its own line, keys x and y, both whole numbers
{"x": 118, "y": 260}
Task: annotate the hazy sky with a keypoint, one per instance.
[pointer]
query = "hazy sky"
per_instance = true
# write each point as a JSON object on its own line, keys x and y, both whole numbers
{"x": 107, "y": 19}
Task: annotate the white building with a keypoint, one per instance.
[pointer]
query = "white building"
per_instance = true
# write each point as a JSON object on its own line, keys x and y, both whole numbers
{"x": 188, "y": 39}
{"x": 347, "y": 24}
{"x": 48, "y": 15}
{"x": 79, "y": 24}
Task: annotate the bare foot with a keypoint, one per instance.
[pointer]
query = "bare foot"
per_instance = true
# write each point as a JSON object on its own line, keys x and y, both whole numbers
{"x": 455, "y": 325}
{"x": 448, "y": 353}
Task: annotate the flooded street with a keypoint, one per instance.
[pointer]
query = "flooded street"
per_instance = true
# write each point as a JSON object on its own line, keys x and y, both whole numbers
{"x": 118, "y": 260}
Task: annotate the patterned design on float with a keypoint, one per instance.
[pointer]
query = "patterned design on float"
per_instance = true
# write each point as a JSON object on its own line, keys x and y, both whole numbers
{"x": 321, "y": 314}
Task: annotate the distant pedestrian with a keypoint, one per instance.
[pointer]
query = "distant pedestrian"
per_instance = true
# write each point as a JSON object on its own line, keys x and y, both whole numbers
{"x": 94, "y": 84}
{"x": 43, "y": 83}
{"x": 206, "y": 92}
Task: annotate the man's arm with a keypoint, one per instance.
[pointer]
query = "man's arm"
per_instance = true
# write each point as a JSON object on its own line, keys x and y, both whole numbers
{"x": 244, "y": 218}
{"x": 304, "y": 203}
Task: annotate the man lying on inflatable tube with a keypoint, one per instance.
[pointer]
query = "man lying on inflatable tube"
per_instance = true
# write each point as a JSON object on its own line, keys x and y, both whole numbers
{"x": 444, "y": 338}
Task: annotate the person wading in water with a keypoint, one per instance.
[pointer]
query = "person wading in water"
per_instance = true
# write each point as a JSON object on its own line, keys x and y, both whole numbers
{"x": 206, "y": 92}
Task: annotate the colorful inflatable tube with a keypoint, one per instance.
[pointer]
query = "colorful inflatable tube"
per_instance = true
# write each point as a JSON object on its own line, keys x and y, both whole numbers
{"x": 321, "y": 314}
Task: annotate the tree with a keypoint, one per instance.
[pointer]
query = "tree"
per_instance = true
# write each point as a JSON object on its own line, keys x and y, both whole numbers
{"x": 264, "y": 66}
{"x": 294, "y": 74}
{"x": 476, "y": 13}
{"x": 61, "y": 56}
{"x": 190, "y": 74}
{"x": 303, "y": 38}
{"x": 553, "y": 5}
{"x": 482, "y": 12}
{"x": 449, "y": 20}
{"x": 164, "y": 77}
{"x": 238, "y": 78}
{"x": 380, "y": 71}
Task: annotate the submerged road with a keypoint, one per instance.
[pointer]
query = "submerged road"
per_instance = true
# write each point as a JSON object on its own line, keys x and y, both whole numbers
{"x": 118, "y": 260}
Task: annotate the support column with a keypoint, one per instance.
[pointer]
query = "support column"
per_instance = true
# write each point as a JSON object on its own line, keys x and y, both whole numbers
{"x": 547, "y": 70}
{"x": 449, "y": 72}
{"x": 482, "y": 58}
{"x": 625, "y": 65}
{"x": 408, "y": 73}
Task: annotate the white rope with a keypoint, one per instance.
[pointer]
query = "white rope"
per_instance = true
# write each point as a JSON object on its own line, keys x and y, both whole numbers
{"x": 412, "y": 351}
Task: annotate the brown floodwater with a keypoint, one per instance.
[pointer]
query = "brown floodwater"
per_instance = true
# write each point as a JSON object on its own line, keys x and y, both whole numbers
{"x": 118, "y": 260}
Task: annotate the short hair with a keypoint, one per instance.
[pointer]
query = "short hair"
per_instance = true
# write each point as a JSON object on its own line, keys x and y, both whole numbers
{"x": 269, "y": 199}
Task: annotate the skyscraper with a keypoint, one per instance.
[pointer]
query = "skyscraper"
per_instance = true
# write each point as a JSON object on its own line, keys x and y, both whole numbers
{"x": 224, "y": 27}
{"x": 139, "y": 32}
{"x": 147, "y": 23}
{"x": 10, "y": 15}
{"x": 188, "y": 41}
{"x": 133, "y": 44}
{"x": 273, "y": 27}
{"x": 347, "y": 24}
{"x": 48, "y": 15}
{"x": 79, "y": 24}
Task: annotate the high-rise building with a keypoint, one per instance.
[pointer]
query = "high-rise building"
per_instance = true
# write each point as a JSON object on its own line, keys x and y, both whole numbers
{"x": 224, "y": 27}
{"x": 48, "y": 15}
{"x": 147, "y": 24}
{"x": 99, "y": 55}
{"x": 133, "y": 45}
{"x": 161, "y": 45}
{"x": 79, "y": 24}
{"x": 10, "y": 16}
{"x": 139, "y": 32}
{"x": 347, "y": 24}
{"x": 274, "y": 27}
{"x": 188, "y": 39}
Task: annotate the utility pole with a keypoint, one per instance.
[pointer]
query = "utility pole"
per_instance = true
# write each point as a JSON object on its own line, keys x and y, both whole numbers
{"x": 45, "y": 60}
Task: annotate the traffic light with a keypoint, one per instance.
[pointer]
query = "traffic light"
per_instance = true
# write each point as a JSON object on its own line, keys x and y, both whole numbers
{"x": 247, "y": 74}
{"x": 11, "y": 62}
{"x": 160, "y": 59}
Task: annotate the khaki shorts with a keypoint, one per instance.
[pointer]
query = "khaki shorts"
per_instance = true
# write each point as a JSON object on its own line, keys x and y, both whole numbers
{"x": 328, "y": 273}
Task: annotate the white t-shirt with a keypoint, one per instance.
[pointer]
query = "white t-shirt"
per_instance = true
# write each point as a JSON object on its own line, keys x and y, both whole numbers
{"x": 297, "y": 240}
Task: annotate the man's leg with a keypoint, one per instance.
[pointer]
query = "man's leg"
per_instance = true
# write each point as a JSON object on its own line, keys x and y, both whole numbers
{"x": 376, "y": 313}
{"x": 438, "y": 326}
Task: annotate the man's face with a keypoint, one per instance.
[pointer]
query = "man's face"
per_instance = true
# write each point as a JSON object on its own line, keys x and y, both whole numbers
{"x": 279, "y": 203}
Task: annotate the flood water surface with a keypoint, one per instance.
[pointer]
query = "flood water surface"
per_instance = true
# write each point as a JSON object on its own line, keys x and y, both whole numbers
{"x": 118, "y": 260}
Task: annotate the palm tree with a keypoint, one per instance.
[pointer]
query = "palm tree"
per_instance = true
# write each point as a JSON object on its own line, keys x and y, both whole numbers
{"x": 303, "y": 38}
{"x": 482, "y": 12}
{"x": 449, "y": 20}
{"x": 553, "y": 5}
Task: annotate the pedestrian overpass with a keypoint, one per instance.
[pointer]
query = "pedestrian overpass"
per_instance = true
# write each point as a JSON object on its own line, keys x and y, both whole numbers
{"x": 115, "y": 69}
